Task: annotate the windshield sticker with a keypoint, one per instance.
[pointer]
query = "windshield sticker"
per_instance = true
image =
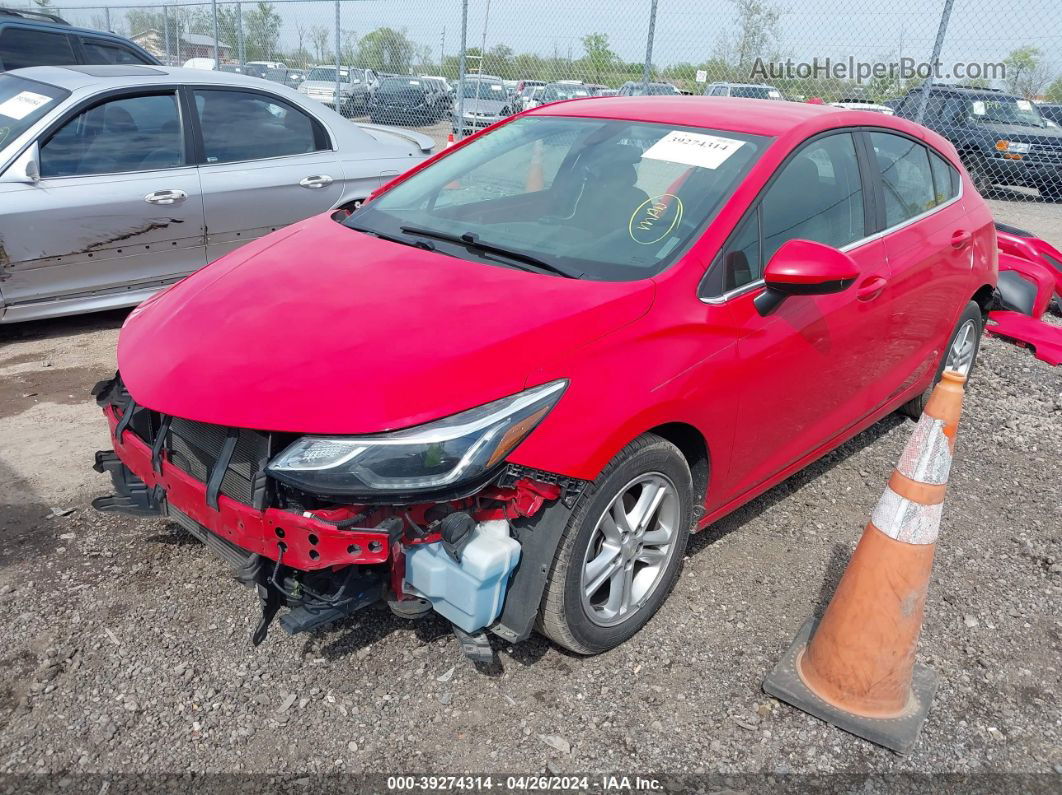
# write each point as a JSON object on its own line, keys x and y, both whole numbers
{"x": 495, "y": 87}
{"x": 22, "y": 104}
{"x": 774, "y": 93}
{"x": 653, "y": 219}
{"x": 1024, "y": 104}
{"x": 979, "y": 107}
{"x": 693, "y": 149}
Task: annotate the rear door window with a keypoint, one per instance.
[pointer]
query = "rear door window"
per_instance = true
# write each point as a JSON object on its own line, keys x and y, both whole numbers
{"x": 22, "y": 47}
{"x": 243, "y": 125}
{"x": 103, "y": 52}
{"x": 905, "y": 175}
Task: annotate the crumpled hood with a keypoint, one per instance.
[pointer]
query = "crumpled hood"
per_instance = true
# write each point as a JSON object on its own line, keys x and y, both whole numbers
{"x": 320, "y": 329}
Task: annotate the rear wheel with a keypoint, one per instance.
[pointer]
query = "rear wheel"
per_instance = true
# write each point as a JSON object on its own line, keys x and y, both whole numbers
{"x": 960, "y": 356}
{"x": 622, "y": 550}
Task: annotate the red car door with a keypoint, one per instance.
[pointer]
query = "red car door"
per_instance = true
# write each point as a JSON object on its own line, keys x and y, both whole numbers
{"x": 811, "y": 368}
{"x": 928, "y": 242}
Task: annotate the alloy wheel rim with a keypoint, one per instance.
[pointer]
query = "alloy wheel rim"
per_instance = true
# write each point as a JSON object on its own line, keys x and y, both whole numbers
{"x": 963, "y": 348}
{"x": 630, "y": 549}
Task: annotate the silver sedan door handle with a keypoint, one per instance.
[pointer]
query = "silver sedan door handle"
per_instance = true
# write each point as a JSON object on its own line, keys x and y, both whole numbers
{"x": 316, "y": 181}
{"x": 166, "y": 197}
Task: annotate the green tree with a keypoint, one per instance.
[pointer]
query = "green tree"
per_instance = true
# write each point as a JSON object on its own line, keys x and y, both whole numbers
{"x": 754, "y": 36}
{"x": 386, "y": 50}
{"x": 598, "y": 60}
{"x": 261, "y": 26}
{"x": 1054, "y": 91}
{"x": 1027, "y": 74}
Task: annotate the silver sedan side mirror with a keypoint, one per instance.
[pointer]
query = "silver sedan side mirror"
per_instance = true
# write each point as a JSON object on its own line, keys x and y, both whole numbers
{"x": 26, "y": 167}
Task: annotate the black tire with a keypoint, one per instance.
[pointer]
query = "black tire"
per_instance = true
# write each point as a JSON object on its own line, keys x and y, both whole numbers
{"x": 1051, "y": 193}
{"x": 914, "y": 407}
{"x": 979, "y": 175}
{"x": 563, "y": 617}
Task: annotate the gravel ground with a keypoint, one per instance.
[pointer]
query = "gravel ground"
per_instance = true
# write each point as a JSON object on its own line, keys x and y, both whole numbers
{"x": 126, "y": 643}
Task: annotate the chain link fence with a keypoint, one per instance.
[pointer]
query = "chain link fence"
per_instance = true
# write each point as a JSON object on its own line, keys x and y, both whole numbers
{"x": 988, "y": 78}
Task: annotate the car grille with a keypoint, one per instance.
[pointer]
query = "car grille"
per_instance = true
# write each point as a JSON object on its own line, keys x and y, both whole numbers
{"x": 1046, "y": 153}
{"x": 194, "y": 447}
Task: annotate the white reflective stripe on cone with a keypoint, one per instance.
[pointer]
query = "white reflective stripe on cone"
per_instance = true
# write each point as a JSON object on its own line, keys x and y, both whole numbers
{"x": 927, "y": 456}
{"x": 906, "y": 520}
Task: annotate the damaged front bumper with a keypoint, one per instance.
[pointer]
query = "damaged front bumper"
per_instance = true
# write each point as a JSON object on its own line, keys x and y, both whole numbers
{"x": 322, "y": 560}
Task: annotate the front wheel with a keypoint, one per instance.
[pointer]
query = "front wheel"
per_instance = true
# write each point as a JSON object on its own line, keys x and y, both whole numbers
{"x": 622, "y": 550}
{"x": 960, "y": 356}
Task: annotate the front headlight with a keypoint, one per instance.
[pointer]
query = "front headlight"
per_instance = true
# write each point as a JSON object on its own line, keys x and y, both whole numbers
{"x": 462, "y": 448}
{"x": 1013, "y": 147}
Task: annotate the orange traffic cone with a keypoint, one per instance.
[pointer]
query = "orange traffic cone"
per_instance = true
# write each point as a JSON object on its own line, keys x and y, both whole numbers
{"x": 535, "y": 178}
{"x": 856, "y": 669}
{"x": 449, "y": 141}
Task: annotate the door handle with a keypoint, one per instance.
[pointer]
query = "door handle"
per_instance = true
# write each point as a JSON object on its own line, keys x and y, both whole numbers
{"x": 871, "y": 287}
{"x": 960, "y": 238}
{"x": 316, "y": 181}
{"x": 166, "y": 197}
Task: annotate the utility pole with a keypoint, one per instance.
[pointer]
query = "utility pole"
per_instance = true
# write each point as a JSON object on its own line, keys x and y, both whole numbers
{"x": 241, "y": 50}
{"x": 166, "y": 32}
{"x": 461, "y": 72}
{"x": 442, "y": 49}
{"x": 938, "y": 44}
{"x": 648, "y": 65}
{"x": 214, "y": 11}
{"x": 339, "y": 97}
{"x": 107, "y": 15}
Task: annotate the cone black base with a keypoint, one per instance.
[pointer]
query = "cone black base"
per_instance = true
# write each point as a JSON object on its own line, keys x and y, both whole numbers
{"x": 898, "y": 734}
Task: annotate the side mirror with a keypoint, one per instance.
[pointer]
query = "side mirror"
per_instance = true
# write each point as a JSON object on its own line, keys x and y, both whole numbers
{"x": 26, "y": 168}
{"x": 801, "y": 267}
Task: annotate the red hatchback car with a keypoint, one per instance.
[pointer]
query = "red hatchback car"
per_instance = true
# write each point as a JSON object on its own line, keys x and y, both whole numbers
{"x": 510, "y": 384}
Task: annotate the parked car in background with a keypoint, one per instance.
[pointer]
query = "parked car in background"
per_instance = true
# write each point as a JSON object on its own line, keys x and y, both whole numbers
{"x": 744, "y": 90}
{"x": 1002, "y": 139}
{"x": 1051, "y": 112}
{"x": 483, "y": 100}
{"x": 38, "y": 38}
{"x": 563, "y": 89}
{"x": 444, "y": 96}
{"x": 856, "y": 103}
{"x": 356, "y": 88}
{"x": 636, "y": 88}
{"x": 252, "y": 69}
{"x": 406, "y": 100}
{"x": 597, "y": 90}
{"x": 560, "y": 348}
{"x": 292, "y": 78}
{"x": 107, "y": 195}
{"x": 524, "y": 90}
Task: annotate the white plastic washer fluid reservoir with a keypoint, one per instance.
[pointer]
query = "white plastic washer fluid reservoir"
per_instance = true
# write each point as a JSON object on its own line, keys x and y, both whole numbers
{"x": 469, "y": 594}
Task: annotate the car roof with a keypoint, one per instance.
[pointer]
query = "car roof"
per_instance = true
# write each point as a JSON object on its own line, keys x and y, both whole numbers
{"x": 120, "y": 75}
{"x": 966, "y": 91}
{"x": 752, "y": 116}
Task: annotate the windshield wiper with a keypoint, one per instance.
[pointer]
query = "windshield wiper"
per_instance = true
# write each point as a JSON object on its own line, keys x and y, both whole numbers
{"x": 393, "y": 239}
{"x": 471, "y": 240}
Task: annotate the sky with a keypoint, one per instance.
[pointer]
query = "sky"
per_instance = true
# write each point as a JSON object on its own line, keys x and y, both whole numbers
{"x": 686, "y": 30}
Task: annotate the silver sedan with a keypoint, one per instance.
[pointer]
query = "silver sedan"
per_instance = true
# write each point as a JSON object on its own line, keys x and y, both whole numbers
{"x": 116, "y": 181}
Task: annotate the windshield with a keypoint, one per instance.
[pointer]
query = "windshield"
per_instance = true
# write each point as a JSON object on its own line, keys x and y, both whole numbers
{"x": 608, "y": 200}
{"x": 1006, "y": 110}
{"x": 393, "y": 85}
{"x": 558, "y": 92}
{"x": 327, "y": 74}
{"x": 22, "y": 102}
{"x": 483, "y": 89}
{"x": 755, "y": 92}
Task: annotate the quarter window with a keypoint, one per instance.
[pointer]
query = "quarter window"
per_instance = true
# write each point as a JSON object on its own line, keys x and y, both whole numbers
{"x": 129, "y": 134}
{"x": 945, "y": 178}
{"x": 905, "y": 175}
{"x": 818, "y": 196}
{"x": 242, "y": 125}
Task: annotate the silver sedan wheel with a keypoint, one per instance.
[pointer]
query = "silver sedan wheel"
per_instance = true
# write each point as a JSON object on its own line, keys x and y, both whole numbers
{"x": 963, "y": 349}
{"x": 630, "y": 549}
